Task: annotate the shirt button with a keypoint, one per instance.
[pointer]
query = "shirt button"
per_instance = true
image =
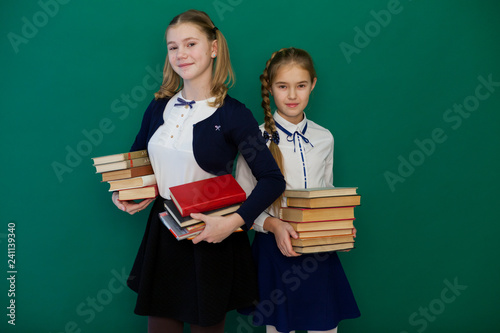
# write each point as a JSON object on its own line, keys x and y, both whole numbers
{"x": 185, "y": 106}
{"x": 171, "y": 136}
{"x": 177, "y": 126}
{"x": 182, "y": 115}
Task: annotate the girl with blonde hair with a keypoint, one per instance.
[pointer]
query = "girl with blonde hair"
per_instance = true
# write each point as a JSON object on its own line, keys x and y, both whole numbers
{"x": 193, "y": 130}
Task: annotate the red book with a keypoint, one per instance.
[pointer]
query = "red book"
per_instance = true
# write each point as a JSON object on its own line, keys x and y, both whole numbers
{"x": 207, "y": 194}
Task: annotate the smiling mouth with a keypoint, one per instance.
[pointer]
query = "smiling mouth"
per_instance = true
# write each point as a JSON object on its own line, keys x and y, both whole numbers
{"x": 184, "y": 65}
{"x": 292, "y": 105}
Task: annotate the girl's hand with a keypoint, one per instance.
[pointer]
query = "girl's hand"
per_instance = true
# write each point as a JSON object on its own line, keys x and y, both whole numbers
{"x": 131, "y": 206}
{"x": 354, "y": 231}
{"x": 282, "y": 232}
{"x": 217, "y": 228}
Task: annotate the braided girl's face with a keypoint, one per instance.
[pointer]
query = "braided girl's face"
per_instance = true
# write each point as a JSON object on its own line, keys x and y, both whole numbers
{"x": 291, "y": 88}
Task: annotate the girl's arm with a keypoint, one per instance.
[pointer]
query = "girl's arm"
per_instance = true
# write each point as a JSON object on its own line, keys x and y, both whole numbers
{"x": 265, "y": 222}
{"x": 282, "y": 232}
{"x": 244, "y": 133}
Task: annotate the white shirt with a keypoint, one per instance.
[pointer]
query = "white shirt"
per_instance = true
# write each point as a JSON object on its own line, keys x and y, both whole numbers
{"x": 306, "y": 165}
{"x": 171, "y": 146}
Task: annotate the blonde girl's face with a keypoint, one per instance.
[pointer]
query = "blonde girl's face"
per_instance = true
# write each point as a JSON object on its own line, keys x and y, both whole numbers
{"x": 190, "y": 53}
{"x": 291, "y": 88}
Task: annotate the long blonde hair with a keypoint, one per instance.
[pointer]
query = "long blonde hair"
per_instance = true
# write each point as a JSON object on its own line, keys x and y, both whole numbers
{"x": 283, "y": 57}
{"x": 222, "y": 74}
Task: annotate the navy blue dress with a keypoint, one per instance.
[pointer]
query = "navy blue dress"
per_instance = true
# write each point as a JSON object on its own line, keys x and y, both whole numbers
{"x": 309, "y": 292}
{"x": 199, "y": 283}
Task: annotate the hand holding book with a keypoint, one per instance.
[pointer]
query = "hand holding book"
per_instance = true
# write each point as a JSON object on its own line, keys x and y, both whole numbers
{"x": 130, "y": 206}
{"x": 217, "y": 228}
{"x": 282, "y": 231}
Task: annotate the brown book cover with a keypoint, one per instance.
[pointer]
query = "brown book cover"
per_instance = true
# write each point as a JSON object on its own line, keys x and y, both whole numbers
{"x": 324, "y": 202}
{"x": 324, "y": 233}
{"x": 322, "y": 225}
{"x": 127, "y": 164}
{"x": 147, "y": 192}
{"x": 292, "y": 214}
{"x": 323, "y": 240}
{"x": 323, "y": 248}
{"x": 127, "y": 173}
{"x": 123, "y": 184}
{"x": 318, "y": 192}
{"x": 120, "y": 157}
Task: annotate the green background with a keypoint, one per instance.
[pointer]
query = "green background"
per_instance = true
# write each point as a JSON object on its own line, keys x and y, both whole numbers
{"x": 429, "y": 215}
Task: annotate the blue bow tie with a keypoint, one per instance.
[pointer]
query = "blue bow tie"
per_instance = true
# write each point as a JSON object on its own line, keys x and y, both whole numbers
{"x": 291, "y": 137}
{"x": 183, "y": 102}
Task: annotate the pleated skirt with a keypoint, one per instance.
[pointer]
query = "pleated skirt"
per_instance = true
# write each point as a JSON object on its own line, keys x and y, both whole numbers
{"x": 309, "y": 292}
{"x": 196, "y": 284}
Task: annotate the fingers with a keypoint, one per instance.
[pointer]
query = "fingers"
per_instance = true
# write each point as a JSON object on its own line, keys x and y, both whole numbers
{"x": 130, "y": 207}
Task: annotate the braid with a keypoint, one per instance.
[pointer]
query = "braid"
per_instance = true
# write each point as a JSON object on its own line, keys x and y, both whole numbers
{"x": 269, "y": 124}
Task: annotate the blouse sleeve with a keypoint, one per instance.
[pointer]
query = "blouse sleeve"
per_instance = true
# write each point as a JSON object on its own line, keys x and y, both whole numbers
{"x": 247, "y": 181}
{"x": 329, "y": 166}
{"x": 270, "y": 183}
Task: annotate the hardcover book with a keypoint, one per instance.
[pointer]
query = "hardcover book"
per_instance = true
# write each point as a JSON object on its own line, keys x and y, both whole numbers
{"x": 120, "y": 157}
{"x": 323, "y": 248}
{"x": 178, "y": 231}
{"x": 318, "y": 192}
{"x": 185, "y": 221}
{"x": 324, "y": 202}
{"x": 324, "y": 233}
{"x": 322, "y": 240}
{"x": 147, "y": 192}
{"x": 127, "y": 164}
{"x": 123, "y": 184}
{"x": 322, "y": 225}
{"x": 127, "y": 173}
{"x": 207, "y": 194}
{"x": 316, "y": 214}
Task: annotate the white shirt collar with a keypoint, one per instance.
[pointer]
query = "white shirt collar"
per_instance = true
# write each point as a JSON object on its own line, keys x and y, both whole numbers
{"x": 290, "y": 126}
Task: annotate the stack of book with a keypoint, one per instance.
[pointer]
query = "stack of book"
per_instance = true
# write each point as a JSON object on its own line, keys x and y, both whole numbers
{"x": 215, "y": 196}
{"x": 322, "y": 217}
{"x": 130, "y": 174}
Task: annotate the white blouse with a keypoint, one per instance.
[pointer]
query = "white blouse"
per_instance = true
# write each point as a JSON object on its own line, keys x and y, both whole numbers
{"x": 171, "y": 146}
{"x": 307, "y": 164}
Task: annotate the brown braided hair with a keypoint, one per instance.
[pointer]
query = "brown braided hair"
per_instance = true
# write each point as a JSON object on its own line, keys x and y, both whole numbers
{"x": 283, "y": 57}
{"x": 222, "y": 75}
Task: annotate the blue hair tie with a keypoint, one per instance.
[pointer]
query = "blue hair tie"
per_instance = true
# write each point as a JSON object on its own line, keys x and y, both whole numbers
{"x": 275, "y": 137}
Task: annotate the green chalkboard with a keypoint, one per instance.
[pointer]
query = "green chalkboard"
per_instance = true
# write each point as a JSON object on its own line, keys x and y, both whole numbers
{"x": 409, "y": 89}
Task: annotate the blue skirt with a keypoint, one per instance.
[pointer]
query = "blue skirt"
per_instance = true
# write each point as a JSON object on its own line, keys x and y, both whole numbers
{"x": 309, "y": 292}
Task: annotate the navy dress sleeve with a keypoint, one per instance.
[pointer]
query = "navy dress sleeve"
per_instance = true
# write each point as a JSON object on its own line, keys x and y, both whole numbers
{"x": 270, "y": 181}
{"x": 152, "y": 119}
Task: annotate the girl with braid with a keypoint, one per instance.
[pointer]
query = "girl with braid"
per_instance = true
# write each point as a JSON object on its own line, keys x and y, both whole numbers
{"x": 297, "y": 292}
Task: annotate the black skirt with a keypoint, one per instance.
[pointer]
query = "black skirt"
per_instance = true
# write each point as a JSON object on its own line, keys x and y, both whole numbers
{"x": 196, "y": 284}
